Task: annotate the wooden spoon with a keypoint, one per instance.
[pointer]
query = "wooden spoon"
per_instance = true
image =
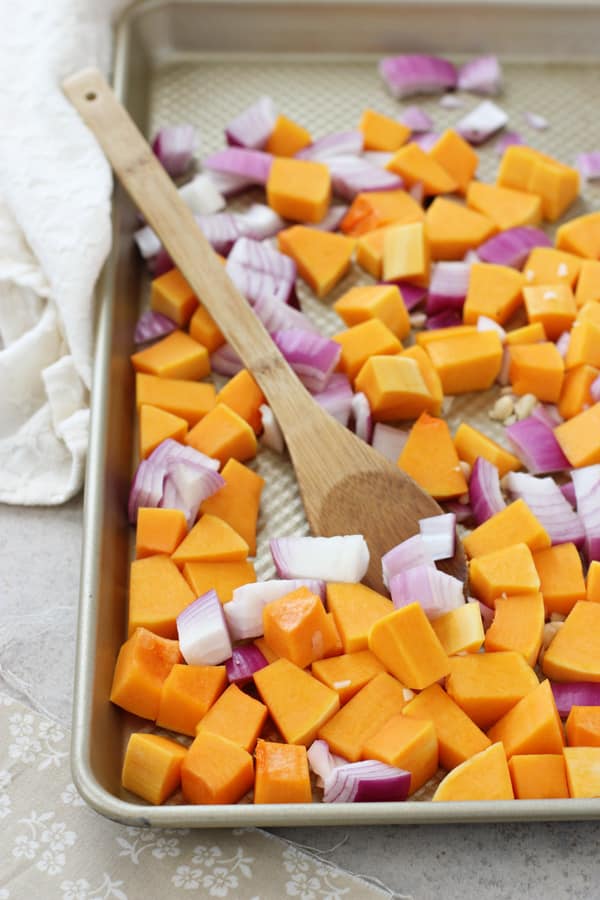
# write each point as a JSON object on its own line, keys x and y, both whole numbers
{"x": 346, "y": 486}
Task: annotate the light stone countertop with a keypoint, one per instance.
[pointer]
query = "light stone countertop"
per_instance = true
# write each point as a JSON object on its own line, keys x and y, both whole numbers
{"x": 39, "y": 578}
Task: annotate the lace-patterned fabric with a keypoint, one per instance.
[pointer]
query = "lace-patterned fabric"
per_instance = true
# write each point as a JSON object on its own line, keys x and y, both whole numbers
{"x": 55, "y": 189}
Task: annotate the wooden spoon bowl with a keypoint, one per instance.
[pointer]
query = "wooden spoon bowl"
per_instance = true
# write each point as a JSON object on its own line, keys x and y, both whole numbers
{"x": 345, "y": 485}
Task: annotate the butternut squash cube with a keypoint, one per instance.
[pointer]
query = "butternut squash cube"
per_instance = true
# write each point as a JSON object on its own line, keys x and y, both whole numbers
{"x": 155, "y": 426}
{"x": 355, "y": 608}
{"x": 394, "y": 387}
{"x": 581, "y": 236}
{"x": 406, "y": 743}
{"x": 583, "y": 726}
{"x": 579, "y": 437}
{"x": 593, "y": 582}
{"x": 545, "y": 266}
{"x": 539, "y": 776}
{"x": 157, "y": 594}
{"x": 298, "y": 703}
{"x": 506, "y": 207}
{"x": 406, "y": 254}
{"x": 238, "y": 501}
{"x": 574, "y": 654}
{"x": 553, "y": 305}
{"x": 222, "y": 577}
{"x": 287, "y": 137}
{"x": 172, "y": 296}
{"x": 358, "y": 343}
{"x": 175, "y": 356}
{"x": 532, "y": 725}
{"x": 235, "y": 716}
{"x": 347, "y": 674}
{"x": 294, "y": 627}
{"x": 414, "y": 165}
{"x": 372, "y": 210}
{"x": 158, "y": 531}
{"x": 460, "y": 630}
{"x": 575, "y": 395}
{"x": 529, "y": 170}
{"x": 561, "y": 577}
{"x": 430, "y": 376}
{"x": 187, "y": 694}
{"x": 458, "y": 736}
{"x": 205, "y": 330}
{"x": 190, "y": 400}
{"x": 518, "y": 625}
{"x": 588, "y": 283}
{"x": 537, "y": 369}
{"x": 223, "y": 434}
{"x": 369, "y": 252}
{"x": 216, "y": 771}
{"x": 243, "y": 395}
{"x": 299, "y": 189}
{"x": 349, "y": 729}
{"x": 211, "y": 540}
{"x": 152, "y": 766}
{"x": 583, "y": 771}
{"x": 457, "y": 157}
{"x": 378, "y": 301}
{"x": 409, "y": 648}
{"x": 466, "y": 362}
{"x": 484, "y": 776}
{"x": 526, "y": 334}
{"x": 382, "y": 132}
{"x": 471, "y": 443}
{"x": 584, "y": 344}
{"x": 143, "y": 663}
{"x": 282, "y": 774}
{"x": 429, "y": 456}
{"x": 503, "y": 572}
{"x": 515, "y": 524}
{"x": 487, "y": 685}
{"x": 453, "y": 229}
{"x": 322, "y": 258}
{"x": 494, "y": 291}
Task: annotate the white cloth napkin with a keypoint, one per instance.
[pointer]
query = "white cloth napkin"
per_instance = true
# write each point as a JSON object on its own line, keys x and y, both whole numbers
{"x": 55, "y": 189}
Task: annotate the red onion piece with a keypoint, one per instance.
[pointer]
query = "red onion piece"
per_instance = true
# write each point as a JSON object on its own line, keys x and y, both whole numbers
{"x": 508, "y": 139}
{"x": 568, "y": 492}
{"x": 320, "y": 759}
{"x": 342, "y": 558}
{"x": 448, "y": 286}
{"x": 451, "y": 101}
{"x": 586, "y": 482}
{"x": 484, "y": 490}
{"x": 278, "y": 316}
{"x": 436, "y": 592}
{"x": 427, "y": 140}
{"x": 595, "y": 389}
{"x": 562, "y": 343}
{"x": 417, "y": 192}
{"x": 448, "y": 318}
{"x": 336, "y": 398}
{"x": 352, "y": 175}
{"x": 243, "y": 663}
{"x": 363, "y": 420}
{"x": 201, "y": 195}
{"x": 152, "y": 325}
{"x": 342, "y": 143}
{"x": 175, "y": 145}
{"x": 588, "y": 165}
{"x": 513, "y": 246}
{"x": 161, "y": 263}
{"x": 378, "y": 157}
{"x": 221, "y": 230}
{"x": 244, "y": 612}
{"x": 389, "y": 441}
{"x": 534, "y": 120}
{"x": 484, "y": 323}
{"x": 259, "y": 222}
{"x": 253, "y": 164}
{"x": 547, "y": 414}
{"x": 252, "y": 127}
{"x": 202, "y": 632}
{"x": 365, "y": 782}
{"x": 332, "y": 218}
{"x": 415, "y": 118}
{"x": 546, "y": 501}
{"x": 412, "y": 294}
{"x": 225, "y": 361}
{"x": 481, "y": 76}
{"x": 536, "y": 446}
{"x": 257, "y": 270}
{"x": 272, "y": 436}
{"x": 462, "y": 511}
{"x": 482, "y": 122}
{"x": 574, "y": 693}
{"x": 439, "y": 534}
{"x": 312, "y": 357}
{"x": 417, "y": 74}
{"x": 487, "y": 613}
{"x": 147, "y": 242}
{"x": 409, "y": 553}
{"x": 228, "y": 184}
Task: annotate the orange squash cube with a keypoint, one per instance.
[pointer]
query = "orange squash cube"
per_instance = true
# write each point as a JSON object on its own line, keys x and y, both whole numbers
{"x": 287, "y": 137}
{"x": 299, "y": 189}
{"x": 382, "y": 132}
{"x": 152, "y": 766}
{"x": 471, "y": 443}
{"x": 574, "y": 654}
{"x": 294, "y": 627}
{"x": 539, "y": 776}
{"x": 235, "y": 716}
{"x": 379, "y": 301}
{"x": 155, "y": 426}
{"x": 561, "y": 577}
{"x": 529, "y": 170}
{"x": 553, "y": 305}
{"x": 460, "y": 630}
{"x": 546, "y": 266}
{"x": 518, "y": 625}
{"x": 503, "y": 572}
{"x": 143, "y": 664}
{"x": 579, "y": 437}
{"x": 188, "y": 692}
{"x": 588, "y": 283}
{"x": 406, "y": 254}
{"x": 158, "y": 531}
{"x": 243, "y": 395}
{"x": 506, "y": 207}
{"x": 282, "y": 774}
{"x": 409, "y": 648}
{"x": 394, "y": 387}
{"x": 466, "y": 362}
{"x": 484, "y": 776}
{"x": 347, "y": 674}
{"x": 430, "y": 377}
{"x": 583, "y": 771}
{"x": 238, "y": 501}
{"x": 416, "y": 166}
{"x": 171, "y": 295}
{"x": 429, "y": 456}
{"x": 358, "y": 343}
{"x": 222, "y": 577}
{"x": 322, "y": 258}
{"x": 175, "y": 356}
{"x": 583, "y": 726}
{"x": 406, "y": 743}
{"x": 157, "y": 594}
{"x": 205, "y": 330}
{"x": 515, "y": 524}
{"x": 592, "y": 582}
{"x": 581, "y": 236}
{"x": 223, "y": 434}
{"x": 457, "y": 157}
{"x": 371, "y": 211}
{"x": 211, "y": 540}
{"x": 487, "y": 685}
{"x": 584, "y": 344}
{"x": 532, "y": 725}
{"x": 453, "y": 229}
{"x": 494, "y": 291}
{"x": 216, "y": 771}
{"x": 575, "y": 395}
{"x": 355, "y": 608}
{"x": 537, "y": 369}
{"x": 526, "y": 334}
{"x": 190, "y": 400}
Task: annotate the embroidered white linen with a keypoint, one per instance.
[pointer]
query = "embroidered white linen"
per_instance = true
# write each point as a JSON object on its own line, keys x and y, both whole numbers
{"x": 55, "y": 189}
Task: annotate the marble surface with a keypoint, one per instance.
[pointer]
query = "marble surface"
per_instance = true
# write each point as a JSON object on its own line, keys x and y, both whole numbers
{"x": 39, "y": 577}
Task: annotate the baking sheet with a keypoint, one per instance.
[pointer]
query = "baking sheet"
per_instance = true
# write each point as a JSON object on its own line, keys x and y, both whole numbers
{"x": 204, "y": 62}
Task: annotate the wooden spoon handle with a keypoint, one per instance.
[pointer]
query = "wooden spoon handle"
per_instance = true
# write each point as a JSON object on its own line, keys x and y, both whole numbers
{"x": 155, "y": 195}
